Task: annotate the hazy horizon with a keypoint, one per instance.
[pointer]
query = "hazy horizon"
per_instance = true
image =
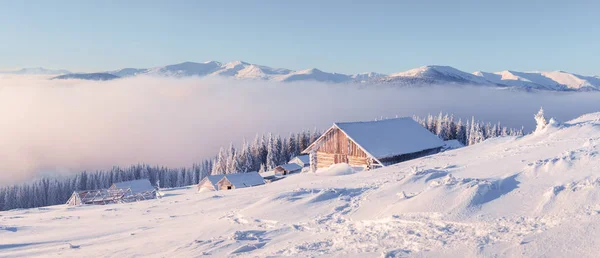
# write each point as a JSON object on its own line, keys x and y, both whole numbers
{"x": 73, "y": 125}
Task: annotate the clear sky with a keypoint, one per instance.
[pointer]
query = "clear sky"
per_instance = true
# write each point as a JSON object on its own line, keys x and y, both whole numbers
{"x": 337, "y": 36}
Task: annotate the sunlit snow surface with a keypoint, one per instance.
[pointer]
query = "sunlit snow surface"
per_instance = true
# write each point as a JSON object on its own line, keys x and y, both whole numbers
{"x": 535, "y": 196}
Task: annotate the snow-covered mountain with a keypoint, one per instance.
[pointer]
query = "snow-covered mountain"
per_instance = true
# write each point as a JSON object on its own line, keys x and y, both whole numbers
{"x": 421, "y": 76}
{"x": 557, "y": 80}
{"x": 437, "y": 74}
{"x": 87, "y": 76}
{"x": 37, "y": 71}
{"x": 316, "y": 75}
{"x": 536, "y": 195}
{"x": 425, "y": 75}
{"x": 128, "y": 72}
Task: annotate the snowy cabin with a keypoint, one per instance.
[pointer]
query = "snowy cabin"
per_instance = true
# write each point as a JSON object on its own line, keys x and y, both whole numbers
{"x": 209, "y": 183}
{"x": 230, "y": 181}
{"x": 373, "y": 144}
{"x": 136, "y": 190}
{"x": 287, "y": 169}
{"x": 302, "y": 160}
{"x": 95, "y": 197}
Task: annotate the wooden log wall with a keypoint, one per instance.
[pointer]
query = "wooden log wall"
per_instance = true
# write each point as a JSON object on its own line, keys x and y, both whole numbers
{"x": 336, "y": 142}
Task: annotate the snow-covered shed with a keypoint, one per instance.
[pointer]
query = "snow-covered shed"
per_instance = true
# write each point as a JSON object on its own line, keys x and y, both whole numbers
{"x": 209, "y": 183}
{"x": 136, "y": 190}
{"x": 287, "y": 169}
{"x": 97, "y": 197}
{"x": 240, "y": 180}
{"x": 90, "y": 197}
{"x": 373, "y": 144}
{"x": 302, "y": 160}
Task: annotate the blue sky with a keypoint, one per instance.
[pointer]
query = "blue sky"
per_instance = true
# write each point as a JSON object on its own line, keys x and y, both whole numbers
{"x": 340, "y": 36}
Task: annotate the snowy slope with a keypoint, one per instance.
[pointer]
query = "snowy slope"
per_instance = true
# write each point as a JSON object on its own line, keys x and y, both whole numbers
{"x": 557, "y": 80}
{"x": 532, "y": 196}
{"x": 316, "y": 75}
{"x": 187, "y": 69}
{"x": 440, "y": 74}
{"x": 573, "y": 81}
{"x": 128, "y": 72}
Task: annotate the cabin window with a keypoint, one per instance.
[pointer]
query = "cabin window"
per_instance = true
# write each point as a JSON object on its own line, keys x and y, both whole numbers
{"x": 228, "y": 187}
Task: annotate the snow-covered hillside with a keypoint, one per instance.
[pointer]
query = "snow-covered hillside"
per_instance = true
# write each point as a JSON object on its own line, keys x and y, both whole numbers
{"x": 439, "y": 74}
{"x": 557, "y": 80}
{"x": 532, "y": 196}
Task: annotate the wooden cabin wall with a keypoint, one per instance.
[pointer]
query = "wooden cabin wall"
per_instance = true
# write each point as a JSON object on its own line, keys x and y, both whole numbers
{"x": 324, "y": 160}
{"x": 223, "y": 185}
{"x": 336, "y": 142}
{"x": 338, "y": 148}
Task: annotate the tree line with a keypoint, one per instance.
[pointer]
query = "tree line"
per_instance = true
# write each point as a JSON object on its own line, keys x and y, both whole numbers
{"x": 467, "y": 133}
{"x": 264, "y": 153}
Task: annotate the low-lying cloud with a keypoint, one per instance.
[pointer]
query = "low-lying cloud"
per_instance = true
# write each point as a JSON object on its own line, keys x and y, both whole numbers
{"x": 49, "y": 126}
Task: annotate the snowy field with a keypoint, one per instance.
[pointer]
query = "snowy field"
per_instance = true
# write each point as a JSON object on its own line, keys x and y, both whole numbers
{"x": 534, "y": 196}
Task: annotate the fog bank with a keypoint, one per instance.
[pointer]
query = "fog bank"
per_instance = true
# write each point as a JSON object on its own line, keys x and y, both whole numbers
{"x": 49, "y": 126}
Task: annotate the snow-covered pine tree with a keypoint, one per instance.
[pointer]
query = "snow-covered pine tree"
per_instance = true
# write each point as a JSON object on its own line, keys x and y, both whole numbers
{"x": 279, "y": 155}
{"x": 248, "y": 160}
{"x": 271, "y": 161}
{"x": 440, "y": 127}
{"x": 460, "y": 132}
{"x": 540, "y": 120}
{"x": 291, "y": 147}
{"x": 220, "y": 164}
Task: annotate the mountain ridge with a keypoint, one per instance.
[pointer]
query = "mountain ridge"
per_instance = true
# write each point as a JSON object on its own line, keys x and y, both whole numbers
{"x": 424, "y": 75}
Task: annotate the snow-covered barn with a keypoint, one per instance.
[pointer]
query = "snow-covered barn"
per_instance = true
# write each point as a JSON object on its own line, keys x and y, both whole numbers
{"x": 302, "y": 160}
{"x": 230, "y": 181}
{"x": 287, "y": 169}
{"x": 373, "y": 144}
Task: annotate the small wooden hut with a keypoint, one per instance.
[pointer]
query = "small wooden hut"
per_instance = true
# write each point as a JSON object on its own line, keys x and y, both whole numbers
{"x": 302, "y": 160}
{"x": 372, "y": 144}
{"x": 240, "y": 180}
{"x": 209, "y": 183}
{"x": 230, "y": 181}
{"x": 287, "y": 169}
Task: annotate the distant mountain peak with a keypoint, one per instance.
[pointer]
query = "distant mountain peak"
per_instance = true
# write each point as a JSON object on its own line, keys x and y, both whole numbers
{"x": 424, "y": 75}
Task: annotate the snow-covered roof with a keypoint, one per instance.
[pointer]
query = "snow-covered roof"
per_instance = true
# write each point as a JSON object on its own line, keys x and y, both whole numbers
{"x": 452, "y": 144}
{"x": 214, "y": 179}
{"x": 241, "y": 180}
{"x": 136, "y": 186}
{"x": 390, "y": 137}
{"x": 304, "y": 159}
{"x": 291, "y": 167}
